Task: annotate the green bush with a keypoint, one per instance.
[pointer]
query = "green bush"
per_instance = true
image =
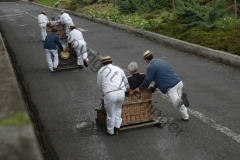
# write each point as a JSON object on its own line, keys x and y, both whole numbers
{"x": 104, "y": 1}
{"x": 141, "y": 6}
{"x": 47, "y": 2}
{"x": 194, "y": 15}
{"x": 227, "y": 23}
{"x": 203, "y": 25}
{"x": 107, "y": 12}
{"x": 171, "y": 29}
{"x": 80, "y": 3}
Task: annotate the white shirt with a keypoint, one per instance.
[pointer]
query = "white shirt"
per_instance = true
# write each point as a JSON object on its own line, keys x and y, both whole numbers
{"x": 65, "y": 17}
{"x": 111, "y": 78}
{"x": 42, "y": 19}
{"x": 75, "y": 35}
{"x": 57, "y": 22}
{"x": 52, "y": 22}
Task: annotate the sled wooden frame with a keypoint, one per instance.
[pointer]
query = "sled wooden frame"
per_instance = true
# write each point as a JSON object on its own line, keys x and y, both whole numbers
{"x": 131, "y": 126}
{"x": 69, "y": 63}
{"x": 134, "y": 113}
{"x": 60, "y": 30}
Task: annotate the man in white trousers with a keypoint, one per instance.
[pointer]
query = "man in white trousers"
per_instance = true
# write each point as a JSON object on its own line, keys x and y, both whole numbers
{"x": 43, "y": 21}
{"x": 67, "y": 20}
{"x": 50, "y": 48}
{"x": 75, "y": 38}
{"x": 167, "y": 81}
{"x": 113, "y": 83}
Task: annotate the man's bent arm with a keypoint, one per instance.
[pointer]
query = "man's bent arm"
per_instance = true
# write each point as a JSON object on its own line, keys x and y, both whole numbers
{"x": 59, "y": 44}
{"x": 148, "y": 79}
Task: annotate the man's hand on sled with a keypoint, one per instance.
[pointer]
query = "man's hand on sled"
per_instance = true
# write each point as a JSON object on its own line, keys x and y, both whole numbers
{"x": 131, "y": 92}
{"x": 137, "y": 90}
{"x": 153, "y": 88}
{"x": 66, "y": 49}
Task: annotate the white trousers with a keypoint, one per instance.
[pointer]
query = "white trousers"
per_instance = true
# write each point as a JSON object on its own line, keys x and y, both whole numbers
{"x": 43, "y": 27}
{"x": 52, "y": 63}
{"x": 67, "y": 26}
{"x": 80, "y": 48}
{"x": 175, "y": 94}
{"x": 113, "y": 105}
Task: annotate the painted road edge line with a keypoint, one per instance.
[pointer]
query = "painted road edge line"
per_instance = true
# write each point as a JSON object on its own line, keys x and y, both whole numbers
{"x": 215, "y": 125}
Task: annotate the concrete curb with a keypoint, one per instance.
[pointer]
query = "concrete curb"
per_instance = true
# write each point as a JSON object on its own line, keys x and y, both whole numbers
{"x": 17, "y": 139}
{"x": 214, "y": 55}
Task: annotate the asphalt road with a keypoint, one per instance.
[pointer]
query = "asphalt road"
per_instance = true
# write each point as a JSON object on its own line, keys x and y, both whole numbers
{"x": 68, "y": 98}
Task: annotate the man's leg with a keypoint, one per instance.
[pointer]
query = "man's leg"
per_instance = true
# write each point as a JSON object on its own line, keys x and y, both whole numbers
{"x": 67, "y": 26}
{"x": 49, "y": 59}
{"x": 84, "y": 50}
{"x": 84, "y": 53}
{"x": 184, "y": 112}
{"x": 78, "y": 49}
{"x": 175, "y": 94}
{"x": 183, "y": 109}
{"x": 55, "y": 58}
{"x": 118, "y": 108}
{"x": 109, "y": 104}
{"x": 43, "y": 31}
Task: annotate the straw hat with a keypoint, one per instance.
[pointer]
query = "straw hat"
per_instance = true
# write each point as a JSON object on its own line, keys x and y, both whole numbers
{"x": 43, "y": 12}
{"x": 106, "y": 59}
{"x": 72, "y": 26}
{"x": 64, "y": 55}
{"x": 147, "y": 53}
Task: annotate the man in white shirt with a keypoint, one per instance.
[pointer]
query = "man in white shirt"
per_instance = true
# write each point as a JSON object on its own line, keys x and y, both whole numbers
{"x": 43, "y": 21}
{"x": 76, "y": 39}
{"x": 67, "y": 20}
{"x": 113, "y": 83}
{"x": 58, "y": 21}
{"x": 52, "y": 22}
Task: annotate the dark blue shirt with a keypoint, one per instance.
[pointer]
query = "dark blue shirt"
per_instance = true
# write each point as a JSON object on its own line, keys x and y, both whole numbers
{"x": 135, "y": 80}
{"x": 162, "y": 74}
{"x": 52, "y": 41}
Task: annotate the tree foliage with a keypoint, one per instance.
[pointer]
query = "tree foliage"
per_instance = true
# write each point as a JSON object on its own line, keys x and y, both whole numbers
{"x": 193, "y": 15}
{"x": 80, "y": 3}
{"x": 141, "y": 6}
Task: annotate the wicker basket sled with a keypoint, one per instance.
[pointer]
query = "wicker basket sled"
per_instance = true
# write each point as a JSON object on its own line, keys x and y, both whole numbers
{"x": 60, "y": 30}
{"x": 71, "y": 61}
{"x": 137, "y": 111}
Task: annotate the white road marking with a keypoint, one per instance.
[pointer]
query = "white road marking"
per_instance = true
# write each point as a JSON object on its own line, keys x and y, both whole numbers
{"x": 24, "y": 25}
{"x": 31, "y": 15}
{"x": 208, "y": 121}
{"x": 213, "y": 124}
{"x": 11, "y": 15}
{"x": 11, "y": 20}
{"x": 82, "y": 30}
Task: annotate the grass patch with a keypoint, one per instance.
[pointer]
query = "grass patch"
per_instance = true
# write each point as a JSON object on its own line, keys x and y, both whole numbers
{"x": 16, "y": 120}
{"x": 47, "y": 2}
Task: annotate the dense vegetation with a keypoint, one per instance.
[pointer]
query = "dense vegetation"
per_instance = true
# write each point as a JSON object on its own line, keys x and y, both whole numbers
{"x": 210, "y": 23}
